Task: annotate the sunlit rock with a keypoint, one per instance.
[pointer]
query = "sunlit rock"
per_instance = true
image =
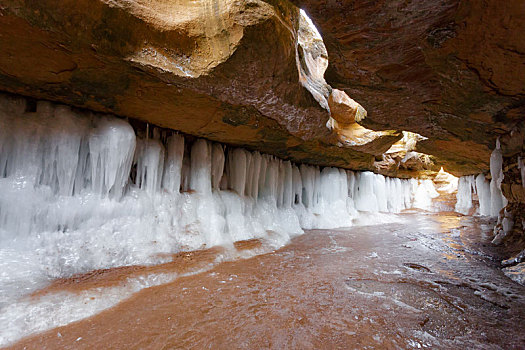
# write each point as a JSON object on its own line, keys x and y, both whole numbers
{"x": 344, "y": 110}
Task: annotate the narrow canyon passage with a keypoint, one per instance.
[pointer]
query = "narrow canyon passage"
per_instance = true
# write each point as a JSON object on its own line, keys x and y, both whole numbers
{"x": 426, "y": 281}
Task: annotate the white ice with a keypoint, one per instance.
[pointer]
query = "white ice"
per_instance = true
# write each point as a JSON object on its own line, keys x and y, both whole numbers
{"x": 498, "y": 201}
{"x": 82, "y": 191}
{"x": 490, "y": 197}
{"x": 466, "y": 186}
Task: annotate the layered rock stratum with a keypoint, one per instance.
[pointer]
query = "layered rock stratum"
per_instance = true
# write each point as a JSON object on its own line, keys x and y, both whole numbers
{"x": 250, "y": 73}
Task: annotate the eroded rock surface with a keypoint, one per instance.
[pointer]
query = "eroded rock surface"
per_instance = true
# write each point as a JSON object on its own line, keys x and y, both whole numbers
{"x": 247, "y": 73}
{"x": 225, "y": 70}
{"x": 452, "y": 71}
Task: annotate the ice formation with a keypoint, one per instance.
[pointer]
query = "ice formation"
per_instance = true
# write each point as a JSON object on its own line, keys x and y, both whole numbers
{"x": 490, "y": 197}
{"x": 82, "y": 191}
{"x": 483, "y": 191}
{"x": 466, "y": 185}
{"x": 497, "y": 200}
{"x": 479, "y": 185}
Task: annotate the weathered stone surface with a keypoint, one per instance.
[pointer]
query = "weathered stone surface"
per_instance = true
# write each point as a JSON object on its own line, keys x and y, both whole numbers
{"x": 225, "y": 70}
{"x": 402, "y": 160}
{"x": 345, "y": 110}
{"x": 247, "y": 73}
{"x": 453, "y": 71}
{"x": 512, "y": 240}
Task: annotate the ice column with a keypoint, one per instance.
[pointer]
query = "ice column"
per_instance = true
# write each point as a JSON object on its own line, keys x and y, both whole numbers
{"x": 464, "y": 196}
{"x": 201, "y": 167}
{"x": 483, "y": 191}
{"x": 365, "y": 197}
{"x": 498, "y": 201}
{"x": 172, "y": 170}
{"x": 150, "y": 164}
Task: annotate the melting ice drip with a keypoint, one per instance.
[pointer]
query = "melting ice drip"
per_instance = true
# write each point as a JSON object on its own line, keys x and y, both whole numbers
{"x": 491, "y": 200}
{"x": 81, "y": 191}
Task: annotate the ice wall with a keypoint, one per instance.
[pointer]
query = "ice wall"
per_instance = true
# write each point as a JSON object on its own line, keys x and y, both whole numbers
{"x": 479, "y": 185}
{"x": 466, "y": 185}
{"x": 82, "y": 191}
{"x": 497, "y": 200}
{"x": 490, "y": 197}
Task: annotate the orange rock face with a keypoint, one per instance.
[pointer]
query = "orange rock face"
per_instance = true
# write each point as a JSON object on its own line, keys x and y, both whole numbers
{"x": 246, "y": 72}
{"x": 453, "y": 71}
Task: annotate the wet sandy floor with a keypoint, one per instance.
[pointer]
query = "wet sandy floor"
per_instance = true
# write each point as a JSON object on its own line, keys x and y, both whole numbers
{"x": 426, "y": 283}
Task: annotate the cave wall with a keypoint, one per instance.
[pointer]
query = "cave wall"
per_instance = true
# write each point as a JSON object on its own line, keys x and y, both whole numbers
{"x": 452, "y": 71}
{"x": 222, "y": 70}
{"x": 513, "y": 188}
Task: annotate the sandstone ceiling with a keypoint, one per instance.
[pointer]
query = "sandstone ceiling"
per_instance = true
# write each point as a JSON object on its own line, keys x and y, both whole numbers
{"x": 246, "y": 73}
{"x": 453, "y": 71}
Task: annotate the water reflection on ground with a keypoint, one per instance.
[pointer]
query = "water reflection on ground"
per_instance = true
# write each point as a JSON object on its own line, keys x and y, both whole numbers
{"x": 431, "y": 282}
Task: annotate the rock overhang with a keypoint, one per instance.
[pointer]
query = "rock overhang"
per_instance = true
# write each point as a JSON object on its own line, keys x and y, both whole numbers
{"x": 228, "y": 71}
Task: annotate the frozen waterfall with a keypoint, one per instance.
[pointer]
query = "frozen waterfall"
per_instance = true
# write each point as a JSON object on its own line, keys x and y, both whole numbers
{"x": 83, "y": 191}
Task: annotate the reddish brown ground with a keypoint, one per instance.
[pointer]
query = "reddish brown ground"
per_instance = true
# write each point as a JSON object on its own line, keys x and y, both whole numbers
{"x": 424, "y": 283}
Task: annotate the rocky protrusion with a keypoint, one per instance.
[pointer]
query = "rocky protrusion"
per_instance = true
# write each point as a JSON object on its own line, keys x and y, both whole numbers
{"x": 345, "y": 110}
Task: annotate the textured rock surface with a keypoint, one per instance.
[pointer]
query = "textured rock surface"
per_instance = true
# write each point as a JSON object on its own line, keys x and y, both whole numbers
{"x": 224, "y": 70}
{"x": 239, "y": 72}
{"x": 512, "y": 187}
{"x": 453, "y": 71}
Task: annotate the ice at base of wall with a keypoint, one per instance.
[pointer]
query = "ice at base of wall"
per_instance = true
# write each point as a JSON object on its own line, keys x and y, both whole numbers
{"x": 490, "y": 197}
{"x": 466, "y": 185}
{"x": 82, "y": 191}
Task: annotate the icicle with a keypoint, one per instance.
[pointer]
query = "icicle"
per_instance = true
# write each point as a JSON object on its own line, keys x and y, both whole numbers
{"x": 237, "y": 166}
{"x": 111, "y": 148}
{"x": 217, "y": 165}
{"x": 186, "y": 172}
{"x": 308, "y": 180}
{"x": 287, "y": 185}
{"x": 351, "y": 183}
{"x": 464, "y": 195}
{"x": 381, "y": 194}
{"x": 281, "y": 172}
{"x": 498, "y": 201}
{"x": 297, "y": 185}
{"x": 150, "y": 164}
{"x": 200, "y": 176}
{"x": 257, "y": 164}
{"x": 262, "y": 175}
{"x": 483, "y": 190}
{"x": 249, "y": 174}
{"x": 366, "y": 199}
{"x": 173, "y": 169}
{"x": 68, "y": 143}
